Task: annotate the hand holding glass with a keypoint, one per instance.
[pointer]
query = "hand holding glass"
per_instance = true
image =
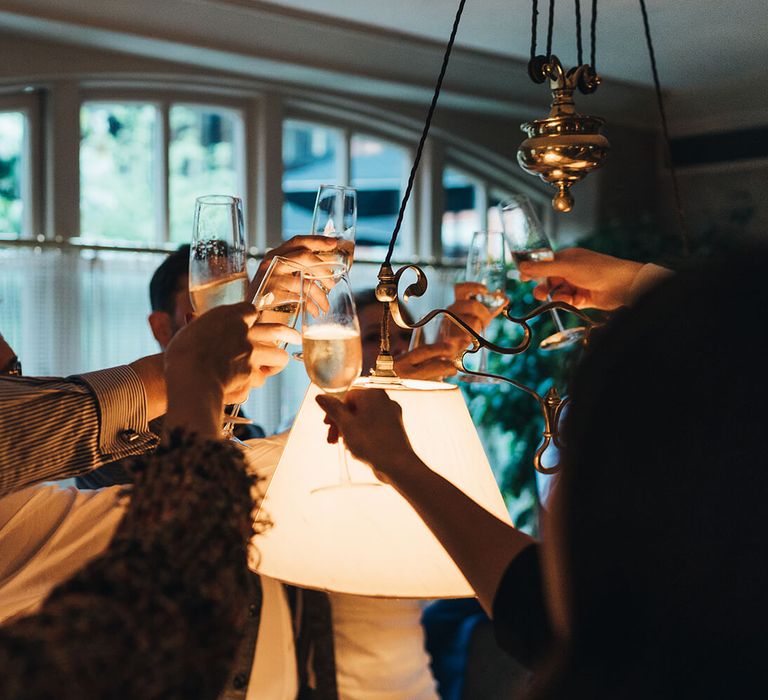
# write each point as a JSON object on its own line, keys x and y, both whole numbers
{"x": 528, "y": 242}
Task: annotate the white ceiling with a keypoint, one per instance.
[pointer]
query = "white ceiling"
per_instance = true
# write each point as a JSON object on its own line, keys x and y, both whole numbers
{"x": 696, "y": 41}
{"x": 711, "y": 53}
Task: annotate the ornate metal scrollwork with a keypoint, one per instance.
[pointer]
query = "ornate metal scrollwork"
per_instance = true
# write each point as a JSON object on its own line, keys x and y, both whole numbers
{"x": 551, "y": 404}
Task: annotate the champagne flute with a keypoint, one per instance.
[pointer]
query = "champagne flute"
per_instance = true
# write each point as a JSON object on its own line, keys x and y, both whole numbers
{"x": 528, "y": 242}
{"x": 278, "y": 298}
{"x": 217, "y": 258}
{"x": 487, "y": 265}
{"x": 335, "y": 216}
{"x": 330, "y": 333}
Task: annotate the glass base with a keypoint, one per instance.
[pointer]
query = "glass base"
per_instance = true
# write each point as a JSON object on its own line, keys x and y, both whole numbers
{"x": 473, "y": 379}
{"x": 348, "y": 484}
{"x": 563, "y": 339}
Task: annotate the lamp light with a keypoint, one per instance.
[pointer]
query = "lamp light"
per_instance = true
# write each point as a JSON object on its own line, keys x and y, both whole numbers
{"x": 369, "y": 541}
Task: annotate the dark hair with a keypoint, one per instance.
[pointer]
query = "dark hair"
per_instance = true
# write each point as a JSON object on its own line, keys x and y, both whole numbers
{"x": 662, "y": 515}
{"x": 166, "y": 281}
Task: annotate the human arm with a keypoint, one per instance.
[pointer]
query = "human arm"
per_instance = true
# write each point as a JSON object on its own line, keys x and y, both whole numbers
{"x": 59, "y": 428}
{"x": 159, "y": 614}
{"x": 586, "y": 279}
{"x": 481, "y": 545}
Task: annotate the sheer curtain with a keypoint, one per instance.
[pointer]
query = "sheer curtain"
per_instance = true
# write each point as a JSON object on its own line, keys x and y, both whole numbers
{"x": 68, "y": 310}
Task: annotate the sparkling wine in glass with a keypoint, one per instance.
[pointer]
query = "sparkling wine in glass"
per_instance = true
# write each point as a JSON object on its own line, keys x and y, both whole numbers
{"x": 528, "y": 243}
{"x": 330, "y": 334}
{"x": 487, "y": 265}
{"x": 217, "y": 259}
{"x": 335, "y": 216}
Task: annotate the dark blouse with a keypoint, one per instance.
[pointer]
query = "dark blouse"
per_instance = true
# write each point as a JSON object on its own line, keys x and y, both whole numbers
{"x": 520, "y": 616}
{"x": 160, "y": 613}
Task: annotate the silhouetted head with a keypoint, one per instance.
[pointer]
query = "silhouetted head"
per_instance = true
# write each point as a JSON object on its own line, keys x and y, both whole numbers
{"x": 169, "y": 296}
{"x": 660, "y": 525}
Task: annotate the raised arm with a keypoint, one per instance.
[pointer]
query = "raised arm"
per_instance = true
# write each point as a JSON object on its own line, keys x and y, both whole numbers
{"x": 481, "y": 545}
{"x": 587, "y": 279}
{"x": 159, "y": 614}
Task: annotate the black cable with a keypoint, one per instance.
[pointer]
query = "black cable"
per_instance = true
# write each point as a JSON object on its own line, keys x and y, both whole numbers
{"x": 534, "y": 22}
{"x": 593, "y": 30}
{"x": 550, "y": 28}
{"x": 681, "y": 222}
{"x": 579, "y": 48}
{"x": 425, "y": 132}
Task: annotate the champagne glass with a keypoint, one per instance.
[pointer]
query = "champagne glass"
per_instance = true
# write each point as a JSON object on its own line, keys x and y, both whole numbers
{"x": 217, "y": 258}
{"x": 330, "y": 333}
{"x": 487, "y": 265}
{"x": 527, "y": 241}
{"x": 335, "y": 216}
{"x": 278, "y": 298}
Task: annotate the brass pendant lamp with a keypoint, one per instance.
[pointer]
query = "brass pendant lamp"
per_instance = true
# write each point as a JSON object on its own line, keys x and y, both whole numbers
{"x": 565, "y": 146}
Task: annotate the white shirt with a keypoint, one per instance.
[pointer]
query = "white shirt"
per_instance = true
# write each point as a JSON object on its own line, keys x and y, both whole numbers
{"x": 48, "y": 533}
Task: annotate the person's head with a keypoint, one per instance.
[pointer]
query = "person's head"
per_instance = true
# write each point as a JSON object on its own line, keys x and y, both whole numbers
{"x": 657, "y": 551}
{"x": 369, "y": 314}
{"x": 7, "y": 355}
{"x": 169, "y": 296}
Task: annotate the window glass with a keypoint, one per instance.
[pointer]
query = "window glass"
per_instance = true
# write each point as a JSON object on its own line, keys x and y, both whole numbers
{"x": 311, "y": 157}
{"x": 205, "y": 146}
{"x": 461, "y": 217}
{"x": 12, "y": 128}
{"x": 119, "y": 196}
{"x": 379, "y": 173}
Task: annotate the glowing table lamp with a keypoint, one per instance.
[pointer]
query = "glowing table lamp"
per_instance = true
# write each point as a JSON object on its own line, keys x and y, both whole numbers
{"x": 366, "y": 539}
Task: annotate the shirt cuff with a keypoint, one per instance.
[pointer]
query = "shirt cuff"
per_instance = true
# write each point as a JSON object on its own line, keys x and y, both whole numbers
{"x": 122, "y": 406}
{"x": 649, "y": 276}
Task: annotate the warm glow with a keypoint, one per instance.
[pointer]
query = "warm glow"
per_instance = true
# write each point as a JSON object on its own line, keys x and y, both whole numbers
{"x": 366, "y": 539}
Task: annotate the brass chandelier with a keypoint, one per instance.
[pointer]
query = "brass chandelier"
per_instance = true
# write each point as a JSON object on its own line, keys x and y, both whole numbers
{"x": 561, "y": 149}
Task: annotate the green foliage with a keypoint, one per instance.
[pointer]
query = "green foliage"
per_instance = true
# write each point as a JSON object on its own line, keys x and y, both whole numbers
{"x": 509, "y": 420}
{"x": 11, "y": 144}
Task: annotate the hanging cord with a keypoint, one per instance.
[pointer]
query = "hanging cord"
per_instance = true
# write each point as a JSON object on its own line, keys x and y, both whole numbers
{"x": 534, "y": 22}
{"x": 593, "y": 31}
{"x": 680, "y": 214}
{"x": 550, "y": 28}
{"x": 424, "y": 133}
{"x": 579, "y": 48}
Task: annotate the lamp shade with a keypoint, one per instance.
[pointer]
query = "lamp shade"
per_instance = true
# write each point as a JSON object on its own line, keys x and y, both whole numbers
{"x": 365, "y": 539}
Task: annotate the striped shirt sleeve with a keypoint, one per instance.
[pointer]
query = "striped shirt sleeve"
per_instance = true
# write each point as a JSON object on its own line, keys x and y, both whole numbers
{"x": 53, "y": 428}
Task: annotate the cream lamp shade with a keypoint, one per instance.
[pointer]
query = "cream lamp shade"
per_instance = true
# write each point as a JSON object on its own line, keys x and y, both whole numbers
{"x": 364, "y": 538}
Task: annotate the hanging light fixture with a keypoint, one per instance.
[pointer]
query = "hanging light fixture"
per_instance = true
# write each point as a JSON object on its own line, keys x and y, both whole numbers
{"x": 368, "y": 541}
{"x": 351, "y": 538}
{"x": 564, "y": 147}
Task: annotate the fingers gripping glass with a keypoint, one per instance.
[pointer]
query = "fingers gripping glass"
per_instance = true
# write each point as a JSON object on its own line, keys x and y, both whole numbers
{"x": 278, "y": 298}
{"x": 335, "y": 216}
{"x": 528, "y": 242}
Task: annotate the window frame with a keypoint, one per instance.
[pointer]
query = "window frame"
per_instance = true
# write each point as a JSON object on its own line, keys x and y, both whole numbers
{"x": 28, "y": 103}
{"x": 348, "y": 129}
{"x": 163, "y": 103}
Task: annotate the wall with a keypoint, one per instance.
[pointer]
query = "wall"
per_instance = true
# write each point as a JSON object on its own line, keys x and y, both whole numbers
{"x": 486, "y": 137}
